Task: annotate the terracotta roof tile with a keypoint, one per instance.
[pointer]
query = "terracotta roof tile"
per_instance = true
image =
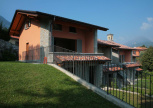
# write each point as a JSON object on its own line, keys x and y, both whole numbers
{"x": 132, "y": 65}
{"x": 16, "y": 37}
{"x": 82, "y": 58}
{"x": 111, "y": 43}
{"x": 112, "y": 69}
{"x": 139, "y": 69}
{"x": 140, "y": 48}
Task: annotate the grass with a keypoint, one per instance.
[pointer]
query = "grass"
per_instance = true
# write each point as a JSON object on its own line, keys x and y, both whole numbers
{"x": 132, "y": 99}
{"x": 42, "y": 86}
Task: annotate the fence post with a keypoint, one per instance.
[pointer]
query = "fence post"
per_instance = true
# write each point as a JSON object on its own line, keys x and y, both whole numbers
{"x": 107, "y": 82}
{"x": 73, "y": 62}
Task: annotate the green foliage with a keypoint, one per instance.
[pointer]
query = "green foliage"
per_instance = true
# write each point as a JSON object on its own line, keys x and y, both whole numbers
{"x": 8, "y": 54}
{"x": 143, "y": 46}
{"x": 146, "y": 59}
{"x": 4, "y": 33}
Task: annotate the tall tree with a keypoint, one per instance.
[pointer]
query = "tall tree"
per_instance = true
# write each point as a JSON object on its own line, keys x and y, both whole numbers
{"x": 147, "y": 59}
{"x": 143, "y": 46}
{"x": 4, "y": 33}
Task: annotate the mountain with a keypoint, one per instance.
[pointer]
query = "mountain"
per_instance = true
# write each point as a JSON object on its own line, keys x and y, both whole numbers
{"x": 5, "y": 23}
{"x": 139, "y": 41}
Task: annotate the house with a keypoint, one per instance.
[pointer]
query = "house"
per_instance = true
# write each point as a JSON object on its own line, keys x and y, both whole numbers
{"x": 136, "y": 53}
{"x": 69, "y": 43}
{"x": 14, "y": 40}
{"x": 121, "y": 59}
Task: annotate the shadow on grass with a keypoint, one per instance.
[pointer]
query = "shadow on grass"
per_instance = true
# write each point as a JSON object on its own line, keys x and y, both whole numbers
{"x": 71, "y": 96}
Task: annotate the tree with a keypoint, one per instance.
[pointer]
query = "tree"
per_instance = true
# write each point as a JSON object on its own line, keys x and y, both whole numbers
{"x": 147, "y": 59}
{"x": 4, "y": 33}
{"x": 143, "y": 46}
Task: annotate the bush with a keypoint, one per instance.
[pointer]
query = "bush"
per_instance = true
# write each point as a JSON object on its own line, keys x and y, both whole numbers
{"x": 8, "y": 54}
{"x": 4, "y": 34}
{"x": 147, "y": 59}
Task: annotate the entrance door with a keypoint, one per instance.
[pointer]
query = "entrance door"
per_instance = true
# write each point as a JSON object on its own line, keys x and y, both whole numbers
{"x": 27, "y": 51}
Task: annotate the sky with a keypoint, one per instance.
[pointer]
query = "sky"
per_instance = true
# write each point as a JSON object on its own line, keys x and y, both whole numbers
{"x": 126, "y": 19}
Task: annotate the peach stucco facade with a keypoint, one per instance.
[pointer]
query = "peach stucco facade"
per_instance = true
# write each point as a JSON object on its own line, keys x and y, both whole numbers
{"x": 127, "y": 54}
{"x": 37, "y": 35}
{"x": 31, "y": 36}
{"x": 83, "y": 33}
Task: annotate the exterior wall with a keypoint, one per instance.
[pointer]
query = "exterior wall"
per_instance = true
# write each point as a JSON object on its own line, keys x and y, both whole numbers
{"x": 44, "y": 33}
{"x": 31, "y": 36}
{"x": 128, "y": 55}
{"x": 95, "y": 42}
{"x": 131, "y": 75}
{"x": 45, "y": 40}
{"x": 106, "y": 50}
{"x": 137, "y": 52}
{"x": 115, "y": 56}
{"x": 98, "y": 75}
{"x": 89, "y": 41}
{"x": 84, "y": 34}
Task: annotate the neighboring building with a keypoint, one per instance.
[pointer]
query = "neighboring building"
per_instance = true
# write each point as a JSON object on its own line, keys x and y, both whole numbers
{"x": 121, "y": 59}
{"x": 14, "y": 40}
{"x": 136, "y": 53}
{"x": 41, "y": 35}
{"x": 117, "y": 52}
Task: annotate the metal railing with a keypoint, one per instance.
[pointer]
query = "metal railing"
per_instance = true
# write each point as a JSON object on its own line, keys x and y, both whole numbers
{"x": 38, "y": 54}
{"x": 127, "y": 84}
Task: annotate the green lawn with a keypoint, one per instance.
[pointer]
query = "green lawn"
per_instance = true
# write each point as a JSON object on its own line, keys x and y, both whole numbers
{"x": 39, "y": 85}
{"x": 135, "y": 100}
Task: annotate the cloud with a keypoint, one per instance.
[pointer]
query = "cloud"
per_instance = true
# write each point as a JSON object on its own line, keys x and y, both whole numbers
{"x": 150, "y": 19}
{"x": 148, "y": 24}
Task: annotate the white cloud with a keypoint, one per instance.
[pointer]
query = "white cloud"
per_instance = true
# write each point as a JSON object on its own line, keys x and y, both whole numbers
{"x": 150, "y": 19}
{"x": 145, "y": 26}
{"x": 148, "y": 24}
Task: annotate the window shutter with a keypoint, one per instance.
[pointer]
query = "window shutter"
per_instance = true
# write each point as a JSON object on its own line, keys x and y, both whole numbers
{"x": 79, "y": 46}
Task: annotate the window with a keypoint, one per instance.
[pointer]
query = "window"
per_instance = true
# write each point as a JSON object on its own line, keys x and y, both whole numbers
{"x": 27, "y": 24}
{"x": 122, "y": 58}
{"x": 57, "y": 27}
{"x": 72, "y": 29}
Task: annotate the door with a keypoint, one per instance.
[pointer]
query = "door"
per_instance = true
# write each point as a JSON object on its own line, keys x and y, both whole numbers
{"x": 27, "y": 51}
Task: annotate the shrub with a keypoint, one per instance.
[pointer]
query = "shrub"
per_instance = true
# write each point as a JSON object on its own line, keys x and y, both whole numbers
{"x": 8, "y": 54}
{"x": 147, "y": 59}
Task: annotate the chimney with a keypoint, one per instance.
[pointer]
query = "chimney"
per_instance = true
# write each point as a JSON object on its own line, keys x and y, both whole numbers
{"x": 110, "y": 37}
